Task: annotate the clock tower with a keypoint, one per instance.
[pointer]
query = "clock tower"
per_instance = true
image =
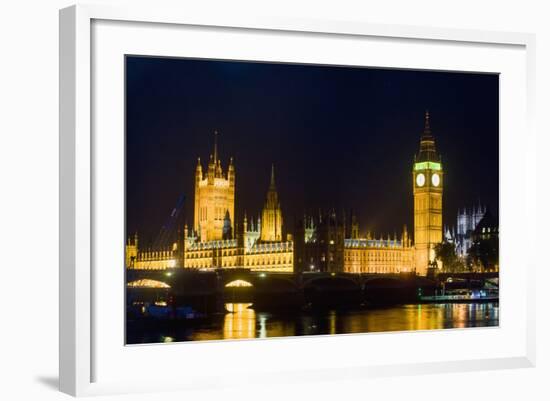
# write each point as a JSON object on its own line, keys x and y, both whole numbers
{"x": 428, "y": 200}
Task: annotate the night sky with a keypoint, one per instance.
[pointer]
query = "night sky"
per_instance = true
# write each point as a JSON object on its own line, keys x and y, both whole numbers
{"x": 339, "y": 137}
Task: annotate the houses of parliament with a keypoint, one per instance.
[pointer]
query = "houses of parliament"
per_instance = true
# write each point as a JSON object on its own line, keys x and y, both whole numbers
{"x": 328, "y": 242}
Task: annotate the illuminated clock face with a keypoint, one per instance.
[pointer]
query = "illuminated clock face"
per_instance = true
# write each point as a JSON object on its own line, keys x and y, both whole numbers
{"x": 435, "y": 180}
{"x": 420, "y": 180}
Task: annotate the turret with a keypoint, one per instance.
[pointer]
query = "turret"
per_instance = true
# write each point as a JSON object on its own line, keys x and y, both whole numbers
{"x": 405, "y": 237}
{"x": 354, "y": 226}
{"x": 231, "y": 173}
{"x": 198, "y": 171}
{"x": 299, "y": 248}
{"x": 131, "y": 251}
{"x": 213, "y": 162}
{"x": 211, "y": 170}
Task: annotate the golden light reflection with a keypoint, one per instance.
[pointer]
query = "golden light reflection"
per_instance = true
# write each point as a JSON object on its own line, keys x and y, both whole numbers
{"x": 418, "y": 318}
{"x": 460, "y": 315}
{"x": 426, "y": 317}
{"x": 240, "y": 322}
{"x": 243, "y": 322}
{"x": 332, "y": 322}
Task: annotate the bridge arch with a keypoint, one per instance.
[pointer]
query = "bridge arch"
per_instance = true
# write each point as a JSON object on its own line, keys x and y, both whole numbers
{"x": 148, "y": 283}
{"x": 384, "y": 281}
{"x": 259, "y": 280}
{"x": 332, "y": 279}
{"x": 275, "y": 282}
{"x": 332, "y": 290}
{"x": 238, "y": 283}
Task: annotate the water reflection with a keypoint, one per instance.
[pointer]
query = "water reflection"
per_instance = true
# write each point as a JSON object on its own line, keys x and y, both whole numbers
{"x": 240, "y": 322}
{"x": 243, "y": 322}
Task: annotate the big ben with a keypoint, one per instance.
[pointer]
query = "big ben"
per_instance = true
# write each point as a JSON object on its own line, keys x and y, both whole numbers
{"x": 428, "y": 200}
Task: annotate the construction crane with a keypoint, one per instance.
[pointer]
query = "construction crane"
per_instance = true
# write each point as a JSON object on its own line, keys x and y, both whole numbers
{"x": 168, "y": 231}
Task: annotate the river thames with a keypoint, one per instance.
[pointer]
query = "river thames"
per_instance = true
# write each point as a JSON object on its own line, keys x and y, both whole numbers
{"x": 243, "y": 322}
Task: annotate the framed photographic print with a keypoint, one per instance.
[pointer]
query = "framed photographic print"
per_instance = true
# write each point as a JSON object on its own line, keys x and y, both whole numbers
{"x": 317, "y": 190}
{"x": 317, "y": 250}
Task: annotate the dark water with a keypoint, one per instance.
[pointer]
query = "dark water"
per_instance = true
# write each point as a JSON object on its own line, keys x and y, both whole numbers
{"x": 243, "y": 322}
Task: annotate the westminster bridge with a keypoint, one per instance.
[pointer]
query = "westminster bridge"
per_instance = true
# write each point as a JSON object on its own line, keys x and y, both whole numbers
{"x": 215, "y": 286}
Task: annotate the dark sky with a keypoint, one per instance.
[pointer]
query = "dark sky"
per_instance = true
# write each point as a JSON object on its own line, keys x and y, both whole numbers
{"x": 339, "y": 137}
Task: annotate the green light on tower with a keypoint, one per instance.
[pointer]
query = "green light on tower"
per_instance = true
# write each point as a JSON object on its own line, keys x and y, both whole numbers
{"x": 427, "y": 165}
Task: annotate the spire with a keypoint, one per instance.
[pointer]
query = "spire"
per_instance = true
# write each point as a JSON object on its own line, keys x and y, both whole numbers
{"x": 215, "y": 146}
{"x": 272, "y": 201}
{"x": 272, "y": 184}
{"x": 219, "y": 171}
{"x": 198, "y": 169}
{"x": 427, "y": 143}
{"x": 479, "y": 207}
{"x": 231, "y": 172}
{"x": 427, "y": 129}
{"x": 272, "y": 219}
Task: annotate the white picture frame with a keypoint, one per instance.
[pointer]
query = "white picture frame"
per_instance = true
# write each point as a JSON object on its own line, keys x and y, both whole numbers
{"x": 79, "y": 344}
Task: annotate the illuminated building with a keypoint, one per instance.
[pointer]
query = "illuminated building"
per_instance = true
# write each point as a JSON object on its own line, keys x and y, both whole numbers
{"x": 473, "y": 228}
{"x": 272, "y": 216}
{"x": 427, "y": 178}
{"x": 328, "y": 249}
{"x": 466, "y": 223}
{"x": 324, "y": 243}
{"x": 214, "y": 197}
{"x": 485, "y": 244}
{"x": 389, "y": 255}
{"x": 158, "y": 259}
{"x": 246, "y": 250}
{"x": 258, "y": 246}
{"x": 324, "y": 249}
